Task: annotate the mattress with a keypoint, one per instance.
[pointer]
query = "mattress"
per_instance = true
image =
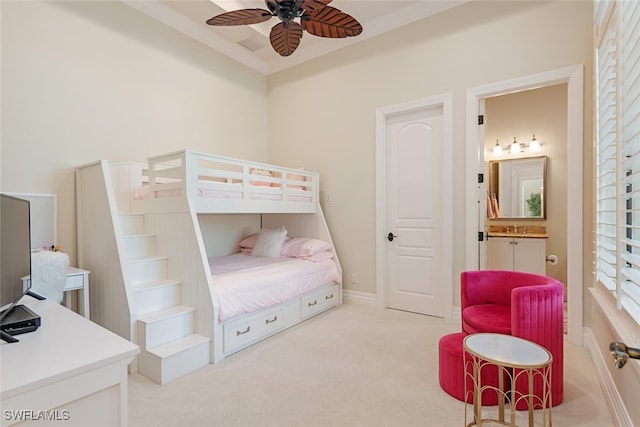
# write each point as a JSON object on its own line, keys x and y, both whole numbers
{"x": 244, "y": 283}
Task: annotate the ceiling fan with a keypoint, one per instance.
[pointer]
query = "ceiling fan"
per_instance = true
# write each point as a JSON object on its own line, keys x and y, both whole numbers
{"x": 315, "y": 17}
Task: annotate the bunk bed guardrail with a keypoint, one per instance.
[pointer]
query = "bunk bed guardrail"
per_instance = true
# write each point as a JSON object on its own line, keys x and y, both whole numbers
{"x": 236, "y": 185}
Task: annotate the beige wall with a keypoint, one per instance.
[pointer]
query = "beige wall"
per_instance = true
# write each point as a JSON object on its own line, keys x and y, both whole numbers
{"x": 322, "y": 113}
{"x": 84, "y": 81}
{"x": 542, "y": 111}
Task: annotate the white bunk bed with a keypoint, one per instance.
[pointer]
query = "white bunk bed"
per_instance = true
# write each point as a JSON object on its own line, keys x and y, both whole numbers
{"x": 199, "y": 185}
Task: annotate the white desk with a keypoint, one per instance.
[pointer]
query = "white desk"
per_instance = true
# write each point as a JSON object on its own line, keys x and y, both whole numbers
{"x": 77, "y": 280}
{"x": 70, "y": 368}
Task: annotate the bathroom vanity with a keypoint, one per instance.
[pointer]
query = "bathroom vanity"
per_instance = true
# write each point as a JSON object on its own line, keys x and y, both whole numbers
{"x": 517, "y": 248}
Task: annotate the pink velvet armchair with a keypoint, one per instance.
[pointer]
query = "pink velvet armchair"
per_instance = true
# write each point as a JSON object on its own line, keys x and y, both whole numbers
{"x": 524, "y": 305}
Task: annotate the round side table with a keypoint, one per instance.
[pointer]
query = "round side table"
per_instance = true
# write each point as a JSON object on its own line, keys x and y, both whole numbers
{"x": 517, "y": 360}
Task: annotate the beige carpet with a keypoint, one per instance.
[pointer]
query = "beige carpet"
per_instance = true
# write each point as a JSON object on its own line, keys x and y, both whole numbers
{"x": 352, "y": 366}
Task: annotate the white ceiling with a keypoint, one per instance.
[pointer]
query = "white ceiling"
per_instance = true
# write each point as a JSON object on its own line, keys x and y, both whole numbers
{"x": 189, "y": 16}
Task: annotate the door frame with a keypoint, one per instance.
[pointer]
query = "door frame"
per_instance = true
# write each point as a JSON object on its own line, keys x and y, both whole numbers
{"x": 445, "y": 102}
{"x": 573, "y": 76}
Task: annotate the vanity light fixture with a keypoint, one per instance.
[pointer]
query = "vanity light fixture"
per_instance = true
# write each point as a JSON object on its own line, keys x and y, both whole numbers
{"x": 534, "y": 145}
{"x": 497, "y": 149}
{"x": 517, "y": 147}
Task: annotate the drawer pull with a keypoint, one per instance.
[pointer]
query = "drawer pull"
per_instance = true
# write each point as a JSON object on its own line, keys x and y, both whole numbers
{"x": 328, "y": 297}
{"x": 267, "y": 321}
{"x": 313, "y": 303}
{"x": 238, "y": 333}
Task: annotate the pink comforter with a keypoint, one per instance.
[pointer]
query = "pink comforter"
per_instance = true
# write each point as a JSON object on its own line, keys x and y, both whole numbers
{"x": 244, "y": 283}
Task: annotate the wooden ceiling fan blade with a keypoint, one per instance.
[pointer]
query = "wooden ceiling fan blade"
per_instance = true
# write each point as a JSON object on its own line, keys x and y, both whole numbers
{"x": 313, "y": 6}
{"x": 241, "y": 17}
{"x": 285, "y": 38}
{"x": 332, "y": 23}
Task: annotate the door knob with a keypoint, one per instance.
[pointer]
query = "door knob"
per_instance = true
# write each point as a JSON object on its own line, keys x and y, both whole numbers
{"x": 390, "y": 236}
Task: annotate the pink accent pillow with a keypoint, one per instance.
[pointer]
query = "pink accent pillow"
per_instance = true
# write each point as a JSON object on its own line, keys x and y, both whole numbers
{"x": 296, "y": 177}
{"x": 300, "y": 247}
{"x": 249, "y": 242}
{"x": 320, "y": 256}
{"x": 261, "y": 172}
{"x": 276, "y": 175}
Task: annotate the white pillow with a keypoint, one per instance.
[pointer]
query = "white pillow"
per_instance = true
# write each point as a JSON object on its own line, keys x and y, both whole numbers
{"x": 269, "y": 242}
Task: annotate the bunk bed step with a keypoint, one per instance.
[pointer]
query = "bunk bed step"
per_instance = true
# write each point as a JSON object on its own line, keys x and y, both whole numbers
{"x": 146, "y": 269}
{"x": 139, "y": 245}
{"x": 176, "y": 359}
{"x": 156, "y": 295}
{"x": 163, "y": 326}
{"x": 131, "y": 223}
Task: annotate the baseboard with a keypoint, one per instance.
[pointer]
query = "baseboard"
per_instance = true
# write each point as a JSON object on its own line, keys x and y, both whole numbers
{"x": 358, "y": 297}
{"x": 609, "y": 389}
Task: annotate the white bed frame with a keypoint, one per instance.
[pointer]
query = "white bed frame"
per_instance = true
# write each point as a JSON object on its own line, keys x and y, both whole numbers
{"x": 174, "y": 194}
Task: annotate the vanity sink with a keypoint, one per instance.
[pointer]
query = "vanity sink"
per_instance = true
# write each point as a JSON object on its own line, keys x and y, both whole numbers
{"x": 518, "y": 231}
{"x": 518, "y": 235}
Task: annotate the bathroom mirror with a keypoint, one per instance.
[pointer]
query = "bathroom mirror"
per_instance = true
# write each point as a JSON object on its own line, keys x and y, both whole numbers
{"x": 516, "y": 188}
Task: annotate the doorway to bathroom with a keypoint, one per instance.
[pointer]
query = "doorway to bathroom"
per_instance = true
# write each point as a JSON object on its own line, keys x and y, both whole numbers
{"x": 572, "y": 79}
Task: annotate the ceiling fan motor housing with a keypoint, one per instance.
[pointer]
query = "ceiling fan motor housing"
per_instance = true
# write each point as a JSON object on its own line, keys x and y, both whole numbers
{"x": 286, "y": 10}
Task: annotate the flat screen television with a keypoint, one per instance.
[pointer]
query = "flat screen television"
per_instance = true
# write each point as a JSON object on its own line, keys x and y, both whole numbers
{"x": 15, "y": 261}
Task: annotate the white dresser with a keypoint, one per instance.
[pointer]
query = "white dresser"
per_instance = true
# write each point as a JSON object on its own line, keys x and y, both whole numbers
{"x": 70, "y": 370}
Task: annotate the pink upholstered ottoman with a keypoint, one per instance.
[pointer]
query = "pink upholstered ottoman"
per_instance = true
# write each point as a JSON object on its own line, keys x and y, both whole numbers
{"x": 451, "y": 371}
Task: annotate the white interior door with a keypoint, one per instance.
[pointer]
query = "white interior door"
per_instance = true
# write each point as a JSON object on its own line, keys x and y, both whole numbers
{"x": 415, "y": 204}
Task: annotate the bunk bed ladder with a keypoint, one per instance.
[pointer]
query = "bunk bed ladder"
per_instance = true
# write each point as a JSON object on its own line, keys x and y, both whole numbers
{"x": 169, "y": 346}
{"x": 131, "y": 293}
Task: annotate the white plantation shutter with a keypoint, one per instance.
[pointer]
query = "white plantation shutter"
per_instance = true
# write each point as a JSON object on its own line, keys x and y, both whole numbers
{"x": 618, "y": 151}
{"x": 606, "y": 152}
{"x": 630, "y": 148}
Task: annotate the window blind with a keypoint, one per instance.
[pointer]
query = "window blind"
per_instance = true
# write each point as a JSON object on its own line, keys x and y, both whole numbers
{"x": 630, "y": 147}
{"x": 606, "y": 152}
{"x": 618, "y": 151}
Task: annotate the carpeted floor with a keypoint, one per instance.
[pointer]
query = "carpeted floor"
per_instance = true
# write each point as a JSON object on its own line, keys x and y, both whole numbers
{"x": 352, "y": 366}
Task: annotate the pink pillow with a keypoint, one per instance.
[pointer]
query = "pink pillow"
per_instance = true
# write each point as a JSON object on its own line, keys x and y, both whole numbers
{"x": 300, "y": 247}
{"x": 260, "y": 172}
{"x": 276, "y": 175}
{"x": 296, "y": 177}
{"x": 320, "y": 256}
{"x": 249, "y": 242}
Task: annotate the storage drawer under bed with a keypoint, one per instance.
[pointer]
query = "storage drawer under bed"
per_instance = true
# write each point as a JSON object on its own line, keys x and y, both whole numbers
{"x": 317, "y": 302}
{"x": 239, "y": 333}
